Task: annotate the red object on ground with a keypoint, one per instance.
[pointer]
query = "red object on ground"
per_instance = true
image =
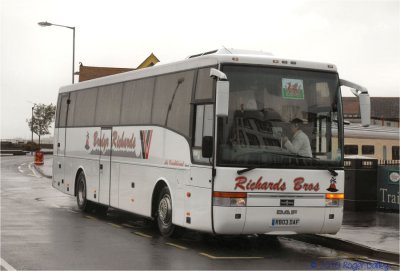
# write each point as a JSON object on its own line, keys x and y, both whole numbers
{"x": 39, "y": 158}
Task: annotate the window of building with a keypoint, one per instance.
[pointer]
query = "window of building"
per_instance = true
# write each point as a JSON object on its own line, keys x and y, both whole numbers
{"x": 351, "y": 149}
{"x": 368, "y": 149}
{"x": 395, "y": 153}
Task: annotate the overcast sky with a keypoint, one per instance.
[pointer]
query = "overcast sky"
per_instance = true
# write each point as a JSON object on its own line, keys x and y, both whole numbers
{"x": 361, "y": 37}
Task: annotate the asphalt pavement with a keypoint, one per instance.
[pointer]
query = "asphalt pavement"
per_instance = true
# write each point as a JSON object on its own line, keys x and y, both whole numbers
{"x": 373, "y": 234}
{"x": 42, "y": 229}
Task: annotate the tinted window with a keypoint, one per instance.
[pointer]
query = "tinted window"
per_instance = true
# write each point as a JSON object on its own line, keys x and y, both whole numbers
{"x": 198, "y": 132}
{"x": 71, "y": 109}
{"x": 204, "y": 85}
{"x": 171, "y": 103}
{"x": 108, "y": 105}
{"x": 62, "y": 110}
{"x": 136, "y": 102}
{"x": 85, "y": 107}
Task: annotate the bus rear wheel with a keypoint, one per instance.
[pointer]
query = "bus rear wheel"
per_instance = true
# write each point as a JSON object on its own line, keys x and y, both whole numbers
{"x": 164, "y": 215}
{"x": 81, "y": 192}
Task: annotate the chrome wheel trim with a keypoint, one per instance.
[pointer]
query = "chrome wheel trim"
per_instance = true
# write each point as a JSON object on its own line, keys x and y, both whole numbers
{"x": 165, "y": 210}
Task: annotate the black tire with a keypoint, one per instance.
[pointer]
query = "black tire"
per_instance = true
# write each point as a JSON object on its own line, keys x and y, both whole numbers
{"x": 164, "y": 215}
{"x": 81, "y": 192}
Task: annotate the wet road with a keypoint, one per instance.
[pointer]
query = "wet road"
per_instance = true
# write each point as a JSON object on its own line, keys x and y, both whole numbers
{"x": 41, "y": 228}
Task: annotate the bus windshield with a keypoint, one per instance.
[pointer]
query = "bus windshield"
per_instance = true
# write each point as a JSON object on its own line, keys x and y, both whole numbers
{"x": 281, "y": 118}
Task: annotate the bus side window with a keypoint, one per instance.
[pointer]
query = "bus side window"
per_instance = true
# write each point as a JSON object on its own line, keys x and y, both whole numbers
{"x": 108, "y": 105}
{"x": 203, "y": 127}
{"x": 62, "y": 111}
{"x": 204, "y": 85}
{"x": 71, "y": 109}
{"x": 85, "y": 107}
{"x": 171, "y": 101}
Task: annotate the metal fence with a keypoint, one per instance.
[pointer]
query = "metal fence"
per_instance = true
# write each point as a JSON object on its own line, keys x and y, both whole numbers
{"x": 371, "y": 184}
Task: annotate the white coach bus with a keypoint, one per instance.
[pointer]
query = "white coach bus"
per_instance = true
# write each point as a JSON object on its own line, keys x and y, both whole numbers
{"x": 209, "y": 143}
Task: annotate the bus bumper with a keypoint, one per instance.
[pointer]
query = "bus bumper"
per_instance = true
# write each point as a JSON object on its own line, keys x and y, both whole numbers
{"x": 277, "y": 220}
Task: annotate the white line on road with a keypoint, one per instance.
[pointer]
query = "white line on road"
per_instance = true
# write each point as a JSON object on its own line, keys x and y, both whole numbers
{"x": 20, "y": 169}
{"x": 7, "y": 266}
{"x": 34, "y": 171}
{"x": 229, "y": 257}
{"x": 142, "y": 234}
{"x": 177, "y": 246}
{"x": 72, "y": 211}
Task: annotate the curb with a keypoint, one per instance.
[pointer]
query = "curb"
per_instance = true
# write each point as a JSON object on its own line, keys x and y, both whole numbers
{"x": 38, "y": 169}
{"x": 348, "y": 246}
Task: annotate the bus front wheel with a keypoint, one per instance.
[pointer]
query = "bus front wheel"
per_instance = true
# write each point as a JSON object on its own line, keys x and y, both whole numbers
{"x": 164, "y": 215}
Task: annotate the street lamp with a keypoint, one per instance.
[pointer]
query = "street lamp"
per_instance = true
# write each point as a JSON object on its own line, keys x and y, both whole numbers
{"x": 33, "y": 107}
{"x": 44, "y": 24}
{"x": 32, "y": 119}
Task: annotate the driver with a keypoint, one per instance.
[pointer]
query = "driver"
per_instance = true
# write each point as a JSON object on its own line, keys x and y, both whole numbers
{"x": 300, "y": 143}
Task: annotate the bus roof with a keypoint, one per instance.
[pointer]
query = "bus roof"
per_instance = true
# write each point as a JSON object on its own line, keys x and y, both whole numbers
{"x": 211, "y": 58}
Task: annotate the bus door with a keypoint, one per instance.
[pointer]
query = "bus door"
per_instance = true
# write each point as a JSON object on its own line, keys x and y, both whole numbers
{"x": 105, "y": 165}
{"x": 59, "y": 142}
{"x": 200, "y": 181}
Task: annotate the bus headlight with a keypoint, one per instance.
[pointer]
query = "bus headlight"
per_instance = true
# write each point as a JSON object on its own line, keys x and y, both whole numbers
{"x": 229, "y": 199}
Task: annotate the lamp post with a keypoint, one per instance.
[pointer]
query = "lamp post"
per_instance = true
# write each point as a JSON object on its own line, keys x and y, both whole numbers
{"x": 32, "y": 125}
{"x": 32, "y": 120}
{"x": 43, "y": 24}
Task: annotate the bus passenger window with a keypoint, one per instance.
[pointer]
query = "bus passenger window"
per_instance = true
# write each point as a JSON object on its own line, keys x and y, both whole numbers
{"x": 204, "y": 85}
{"x": 62, "y": 111}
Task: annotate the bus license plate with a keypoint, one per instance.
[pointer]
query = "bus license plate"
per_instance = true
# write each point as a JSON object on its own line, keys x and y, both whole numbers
{"x": 285, "y": 222}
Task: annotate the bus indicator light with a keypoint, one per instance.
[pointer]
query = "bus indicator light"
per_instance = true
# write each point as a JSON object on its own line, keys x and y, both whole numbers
{"x": 334, "y": 200}
{"x": 334, "y": 196}
{"x": 230, "y": 199}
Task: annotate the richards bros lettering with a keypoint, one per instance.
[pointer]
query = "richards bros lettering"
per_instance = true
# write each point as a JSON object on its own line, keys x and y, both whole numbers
{"x": 299, "y": 184}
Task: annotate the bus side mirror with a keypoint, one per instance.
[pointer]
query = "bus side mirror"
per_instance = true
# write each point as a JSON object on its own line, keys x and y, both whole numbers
{"x": 222, "y": 99}
{"x": 222, "y": 93}
{"x": 365, "y": 109}
{"x": 207, "y": 146}
{"x": 363, "y": 98}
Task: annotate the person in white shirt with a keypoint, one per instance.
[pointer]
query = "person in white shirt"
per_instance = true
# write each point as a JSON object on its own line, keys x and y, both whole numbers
{"x": 300, "y": 143}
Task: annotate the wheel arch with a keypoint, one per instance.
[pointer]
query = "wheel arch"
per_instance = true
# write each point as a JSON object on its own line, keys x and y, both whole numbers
{"x": 161, "y": 183}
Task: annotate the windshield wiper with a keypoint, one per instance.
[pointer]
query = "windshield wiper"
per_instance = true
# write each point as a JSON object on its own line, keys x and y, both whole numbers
{"x": 331, "y": 170}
